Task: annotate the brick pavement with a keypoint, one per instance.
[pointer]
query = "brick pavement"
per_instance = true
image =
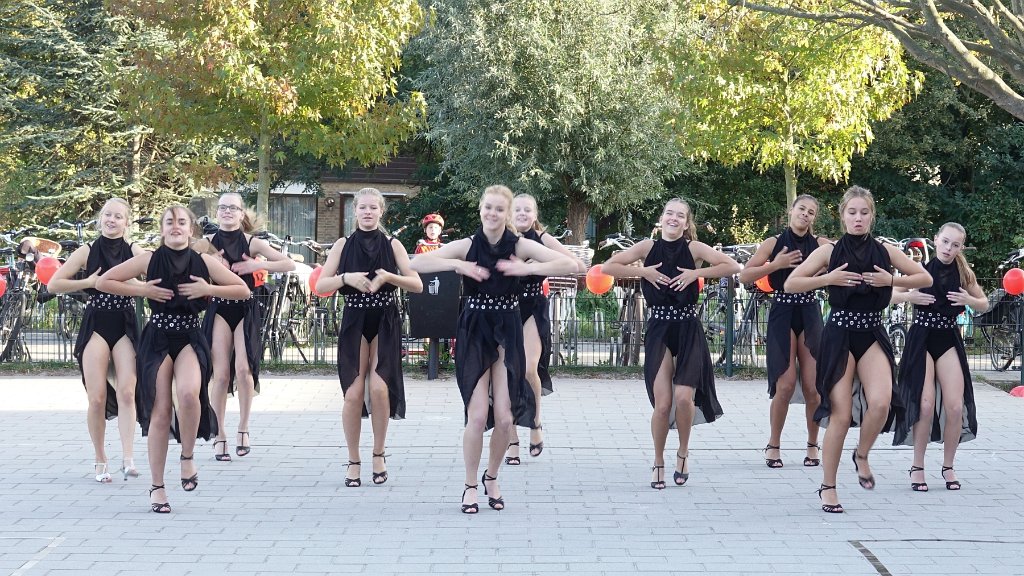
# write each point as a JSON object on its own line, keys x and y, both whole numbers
{"x": 583, "y": 507}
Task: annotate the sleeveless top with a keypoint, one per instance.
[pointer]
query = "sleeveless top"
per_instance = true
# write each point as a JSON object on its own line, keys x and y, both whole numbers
{"x": 788, "y": 239}
{"x": 862, "y": 253}
{"x": 367, "y": 251}
{"x": 945, "y": 279}
{"x": 672, "y": 255}
{"x": 104, "y": 254}
{"x": 235, "y": 246}
{"x": 532, "y": 281}
{"x": 174, "y": 267}
{"x": 485, "y": 255}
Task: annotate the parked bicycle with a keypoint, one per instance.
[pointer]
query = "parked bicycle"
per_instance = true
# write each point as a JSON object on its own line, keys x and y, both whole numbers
{"x": 632, "y": 318}
{"x": 22, "y": 293}
{"x": 1001, "y": 324}
{"x": 287, "y": 307}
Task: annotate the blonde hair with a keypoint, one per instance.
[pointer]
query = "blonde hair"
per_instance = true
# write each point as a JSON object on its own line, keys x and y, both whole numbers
{"x": 194, "y": 231}
{"x": 857, "y": 192}
{"x": 251, "y": 221}
{"x": 812, "y": 199}
{"x": 127, "y": 216}
{"x": 691, "y": 227}
{"x": 506, "y": 193}
{"x": 967, "y": 277}
{"x": 380, "y": 198}
{"x": 537, "y": 226}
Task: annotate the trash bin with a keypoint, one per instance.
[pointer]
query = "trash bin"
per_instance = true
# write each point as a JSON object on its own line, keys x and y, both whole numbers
{"x": 434, "y": 313}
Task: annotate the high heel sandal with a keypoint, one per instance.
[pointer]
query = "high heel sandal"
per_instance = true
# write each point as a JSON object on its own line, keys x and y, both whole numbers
{"x": 917, "y": 486}
{"x": 660, "y": 483}
{"x": 221, "y": 456}
{"x": 513, "y": 460}
{"x": 830, "y": 508}
{"x": 808, "y": 461}
{"x": 382, "y": 476}
{"x": 680, "y": 475}
{"x": 158, "y": 507}
{"x": 192, "y": 481}
{"x": 772, "y": 462}
{"x": 353, "y": 482}
{"x": 241, "y": 449}
{"x": 866, "y": 482}
{"x": 128, "y": 469}
{"x": 536, "y": 449}
{"x": 102, "y": 476}
{"x": 496, "y": 503}
{"x": 470, "y": 508}
{"x": 950, "y": 484}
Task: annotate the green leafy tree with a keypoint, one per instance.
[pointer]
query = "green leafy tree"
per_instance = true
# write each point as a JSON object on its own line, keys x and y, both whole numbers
{"x": 318, "y": 75}
{"x": 781, "y": 91}
{"x": 554, "y": 98}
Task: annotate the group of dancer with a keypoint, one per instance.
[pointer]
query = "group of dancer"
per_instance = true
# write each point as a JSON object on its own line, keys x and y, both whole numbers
{"x": 845, "y": 367}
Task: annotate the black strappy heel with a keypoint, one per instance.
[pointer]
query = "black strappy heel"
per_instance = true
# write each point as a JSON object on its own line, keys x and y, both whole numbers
{"x": 496, "y": 503}
{"x": 536, "y": 449}
{"x": 866, "y": 482}
{"x": 159, "y": 507}
{"x": 830, "y": 508}
{"x": 808, "y": 461}
{"x": 242, "y": 449}
{"x": 658, "y": 484}
{"x": 470, "y": 508}
{"x": 353, "y": 482}
{"x": 772, "y": 462}
{"x": 950, "y": 484}
{"x": 221, "y": 456}
{"x": 917, "y": 486}
{"x": 192, "y": 481}
{"x": 513, "y": 460}
{"x": 382, "y": 476}
{"x": 684, "y": 476}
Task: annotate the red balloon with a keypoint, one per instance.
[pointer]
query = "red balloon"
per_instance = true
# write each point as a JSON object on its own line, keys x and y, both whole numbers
{"x": 764, "y": 285}
{"x": 700, "y": 283}
{"x": 545, "y": 288}
{"x": 45, "y": 269}
{"x": 1017, "y": 392}
{"x": 313, "y": 277}
{"x": 1013, "y": 281}
{"x": 3, "y": 286}
{"x": 597, "y": 281}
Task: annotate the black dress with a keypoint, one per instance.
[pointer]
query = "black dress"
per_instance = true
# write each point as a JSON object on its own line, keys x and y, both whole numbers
{"x": 489, "y": 319}
{"x": 109, "y": 315}
{"x": 934, "y": 331}
{"x": 854, "y": 324}
{"x": 797, "y": 312}
{"x": 673, "y": 325}
{"x": 369, "y": 316}
{"x": 235, "y": 245}
{"x": 174, "y": 325}
{"x": 534, "y": 304}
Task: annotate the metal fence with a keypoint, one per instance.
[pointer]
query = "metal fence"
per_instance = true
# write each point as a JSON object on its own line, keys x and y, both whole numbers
{"x": 587, "y": 329}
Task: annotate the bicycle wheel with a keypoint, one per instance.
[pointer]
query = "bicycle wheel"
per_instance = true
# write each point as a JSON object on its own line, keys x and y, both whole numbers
{"x": 69, "y": 317}
{"x": 713, "y": 319}
{"x": 625, "y": 331}
{"x": 898, "y": 338}
{"x": 1004, "y": 343}
{"x": 637, "y": 321}
{"x": 10, "y": 323}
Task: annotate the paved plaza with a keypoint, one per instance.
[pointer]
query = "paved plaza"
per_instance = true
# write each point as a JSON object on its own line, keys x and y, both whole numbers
{"x": 583, "y": 507}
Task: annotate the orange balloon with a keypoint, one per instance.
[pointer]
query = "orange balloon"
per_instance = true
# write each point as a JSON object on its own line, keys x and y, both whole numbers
{"x": 597, "y": 281}
{"x": 764, "y": 285}
{"x": 545, "y": 288}
{"x": 700, "y": 283}
{"x": 3, "y": 286}
{"x": 259, "y": 278}
{"x": 1013, "y": 281}
{"x": 313, "y": 277}
{"x": 45, "y": 269}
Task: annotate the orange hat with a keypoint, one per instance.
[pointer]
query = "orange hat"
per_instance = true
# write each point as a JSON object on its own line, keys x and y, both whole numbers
{"x": 432, "y": 219}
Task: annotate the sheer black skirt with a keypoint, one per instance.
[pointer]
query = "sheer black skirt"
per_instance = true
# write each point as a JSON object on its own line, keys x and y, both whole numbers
{"x": 90, "y": 318}
{"x": 536, "y": 307}
{"x": 781, "y": 320}
{"x": 686, "y": 342}
{"x": 251, "y": 324}
{"x": 388, "y": 330}
{"x": 911, "y": 386}
{"x": 155, "y": 345}
{"x": 833, "y": 354}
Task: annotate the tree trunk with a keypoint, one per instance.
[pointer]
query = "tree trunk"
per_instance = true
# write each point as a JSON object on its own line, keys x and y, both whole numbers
{"x": 263, "y": 183}
{"x": 135, "y": 165}
{"x": 576, "y": 214}
{"x": 790, "y": 170}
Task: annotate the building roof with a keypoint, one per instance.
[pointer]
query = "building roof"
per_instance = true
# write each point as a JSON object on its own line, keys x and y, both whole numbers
{"x": 398, "y": 170}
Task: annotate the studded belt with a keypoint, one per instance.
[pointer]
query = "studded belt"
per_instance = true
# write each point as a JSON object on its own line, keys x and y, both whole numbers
{"x": 856, "y": 319}
{"x": 174, "y": 322}
{"x": 104, "y": 301}
{"x": 794, "y": 298}
{"x": 229, "y": 302}
{"x": 930, "y": 319}
{"x": 370, "y": 300}
{"x": 532, "y": 290}
{"x": 663, "y": 312}
{"x": 487, "y": 302}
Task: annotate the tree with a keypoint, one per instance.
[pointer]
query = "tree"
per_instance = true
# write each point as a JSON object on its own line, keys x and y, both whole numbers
{"x": 554, "y": 98}
{"x": 980, "y": 44}
{"x": 781, "y": 91}
{"x": 319, "y": 75}
{"x": 65, "y": 144}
